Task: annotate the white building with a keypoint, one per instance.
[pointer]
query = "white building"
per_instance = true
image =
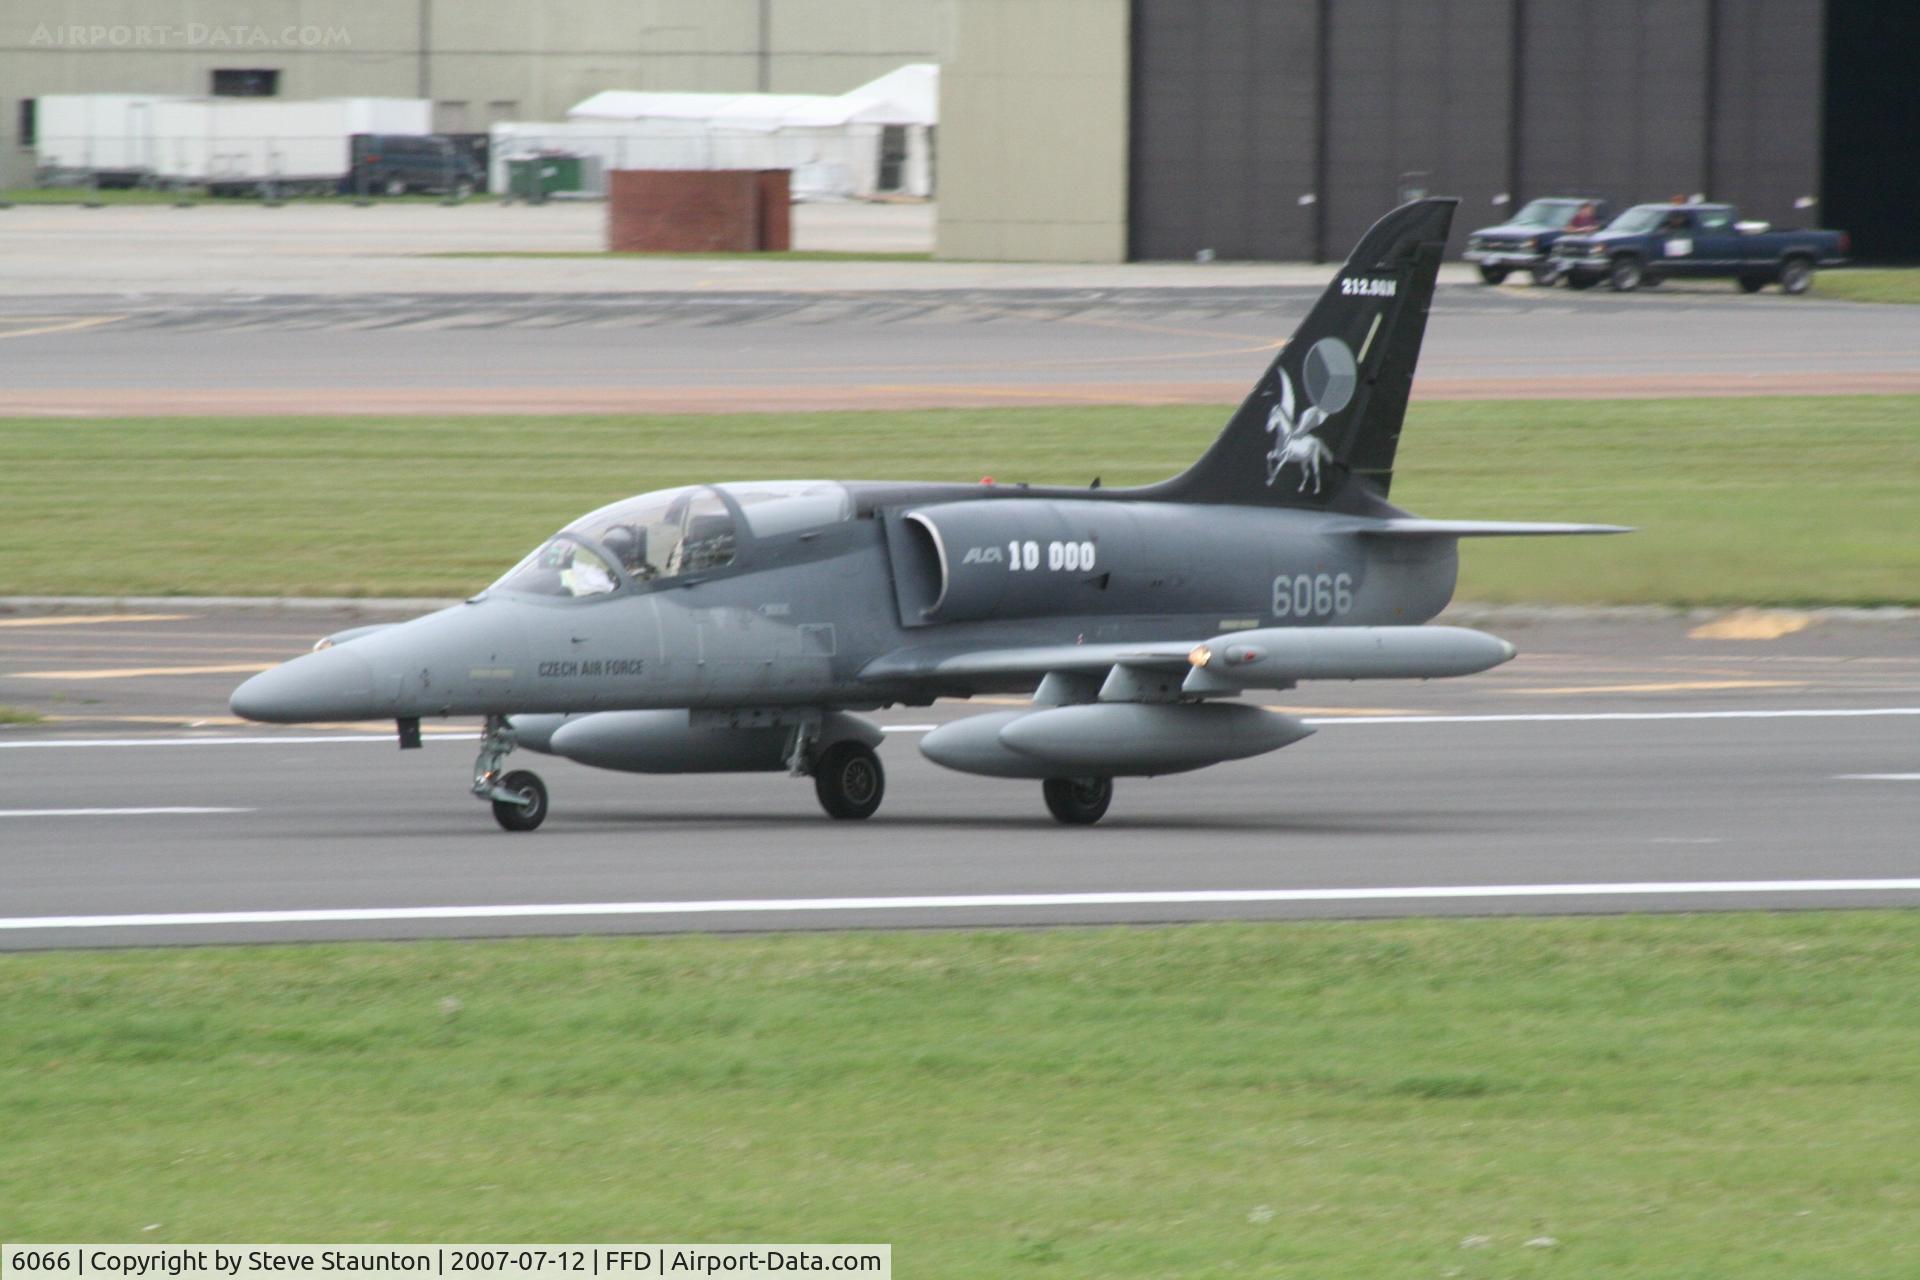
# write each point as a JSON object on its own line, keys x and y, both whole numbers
{"x": 876, "y": 139}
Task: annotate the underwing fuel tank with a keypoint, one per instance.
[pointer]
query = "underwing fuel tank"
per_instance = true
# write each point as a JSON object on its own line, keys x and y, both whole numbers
{"x": 1109, "y": 740}
{"x": 1273, "y": 657}
{"x": 685, "y": 741}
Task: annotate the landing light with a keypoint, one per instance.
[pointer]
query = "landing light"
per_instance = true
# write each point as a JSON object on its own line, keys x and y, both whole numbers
{"x": 1200, "y": 656}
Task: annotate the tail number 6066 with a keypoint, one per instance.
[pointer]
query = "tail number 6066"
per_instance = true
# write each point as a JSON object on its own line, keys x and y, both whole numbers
{"x": 1318, "y": 595}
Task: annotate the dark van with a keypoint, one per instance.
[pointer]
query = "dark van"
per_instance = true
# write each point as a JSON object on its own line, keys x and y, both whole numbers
{"x": 394, "y": 164}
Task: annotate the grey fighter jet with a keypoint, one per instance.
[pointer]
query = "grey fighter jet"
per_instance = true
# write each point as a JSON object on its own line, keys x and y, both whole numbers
{"x": 738, "y": 627}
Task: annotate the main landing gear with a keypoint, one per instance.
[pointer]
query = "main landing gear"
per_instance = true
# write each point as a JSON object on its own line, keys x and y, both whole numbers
{"x": 1078, "y": 802}
{"x": 849, "y": 780}
{"x": 519, "y": 798}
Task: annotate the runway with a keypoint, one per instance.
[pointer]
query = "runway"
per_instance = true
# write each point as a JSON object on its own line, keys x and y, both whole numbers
{"x": 900, "y": 348}
{"x": 1656, "y": 762}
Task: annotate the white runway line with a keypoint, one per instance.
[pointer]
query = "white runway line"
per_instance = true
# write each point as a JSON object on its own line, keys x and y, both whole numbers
{"x": 113, "y": 813}
{"x": 1876, "y": 777}
{"x": 961, "y": 902}
{"x": 1578, "y": 716}
{"x": 1541, "y": 717}
{"x": 387, "y": 738}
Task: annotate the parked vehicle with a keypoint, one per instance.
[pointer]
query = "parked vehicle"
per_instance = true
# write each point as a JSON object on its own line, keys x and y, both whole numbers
{"x": 395, "y": 164}
{"x": 1525, "y": 242}
{"x": 1653, "y": 242}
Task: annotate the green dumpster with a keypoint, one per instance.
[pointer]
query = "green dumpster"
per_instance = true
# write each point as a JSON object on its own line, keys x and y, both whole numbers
{"x": 537, "y": 177}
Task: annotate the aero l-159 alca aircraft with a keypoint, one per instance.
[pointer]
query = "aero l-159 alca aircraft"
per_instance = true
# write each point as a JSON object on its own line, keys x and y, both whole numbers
{"x": 739, "y": 627}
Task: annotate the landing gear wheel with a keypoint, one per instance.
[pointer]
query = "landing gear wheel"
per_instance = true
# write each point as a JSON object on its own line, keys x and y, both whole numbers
{"x": 1078, "y": 802}
{"x": 849, "y": 780}
{"x": 1493, "y": 275}
{"x": 531, "y": 811}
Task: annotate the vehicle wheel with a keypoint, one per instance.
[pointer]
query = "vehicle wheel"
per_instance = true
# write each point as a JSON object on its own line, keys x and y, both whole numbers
{"x": 1577, "y": 281}
{"x": 1796, "y": 276}
{"x": 1493, "y": 275}
{"x": 1078, "y": 802}
{"x": 1752, "y": 284}
{"x": 1543, "y": 276}
{"x": 527, "y": 816}
{"x": 1626, "y": 275}
{"x": 849, "y": 780}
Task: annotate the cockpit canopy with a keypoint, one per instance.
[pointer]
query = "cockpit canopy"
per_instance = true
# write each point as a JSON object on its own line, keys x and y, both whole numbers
{"x": 671, "y": 533}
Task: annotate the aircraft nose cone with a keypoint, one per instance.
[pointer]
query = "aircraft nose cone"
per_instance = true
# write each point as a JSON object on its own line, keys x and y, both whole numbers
{"x": 333, "y": 684}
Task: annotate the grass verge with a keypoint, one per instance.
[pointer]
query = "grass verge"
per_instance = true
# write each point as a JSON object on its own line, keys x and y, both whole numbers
{"x": 1657, "y": 1097}
{"x": 1739, "y": 501}
{"x": 17, "y": 715}
{"x": 155, "y": 195}
{"x": 1899, "y": 284}
{"x": 1870, "y": 284}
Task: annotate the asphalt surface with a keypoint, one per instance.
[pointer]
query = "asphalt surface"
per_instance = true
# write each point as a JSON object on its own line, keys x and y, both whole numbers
{"x": 1627, "y": 763}
{"x": 902, "y": 348}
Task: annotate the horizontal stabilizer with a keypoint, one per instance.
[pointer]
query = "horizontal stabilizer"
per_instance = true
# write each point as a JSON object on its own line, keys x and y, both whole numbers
{"x": 1414, "y": 527}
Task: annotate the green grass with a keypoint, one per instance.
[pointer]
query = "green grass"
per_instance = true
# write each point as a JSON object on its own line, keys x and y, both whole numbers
{"x": 151, "y": 195}
{"x": 1739, "y": 501}
{"x": 1677, "y": 1097}
{"x": 778, "y": 255}
{"x": 1865, "y": 284}
{"x": 15, "y": 715}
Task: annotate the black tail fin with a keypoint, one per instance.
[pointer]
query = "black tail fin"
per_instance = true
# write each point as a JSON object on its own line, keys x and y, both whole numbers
{"x": 1327, "y": 412}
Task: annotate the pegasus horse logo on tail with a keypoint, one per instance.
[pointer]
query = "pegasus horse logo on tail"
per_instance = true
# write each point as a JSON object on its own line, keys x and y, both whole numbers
{"x": 1330, "y": 374}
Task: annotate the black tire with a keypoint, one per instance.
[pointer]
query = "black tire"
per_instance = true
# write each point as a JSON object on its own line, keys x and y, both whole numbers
{"x": 1796, "y": 276}
{"x": 1577, "y": 281}
{"x": 1752, "y": 284}
{"x": 1626, "y": 274}
{"x": 1078, "y": 802}
{"x": 849, "y": 780}
{"x": 522, "y": 817}
{"x": 1493, "y": 275}
{"x": 1545, "y": 277}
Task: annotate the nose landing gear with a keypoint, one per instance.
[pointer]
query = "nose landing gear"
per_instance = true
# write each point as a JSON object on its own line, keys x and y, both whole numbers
{"x": 519, "y": 798}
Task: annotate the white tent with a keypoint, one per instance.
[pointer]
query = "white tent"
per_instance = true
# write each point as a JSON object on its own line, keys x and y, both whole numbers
{"x": 873, "y": 139}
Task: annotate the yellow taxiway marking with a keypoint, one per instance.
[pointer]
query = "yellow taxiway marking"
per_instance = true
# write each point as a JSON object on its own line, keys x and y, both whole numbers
{"x": 54, "y": 324}
{"x": 129, "y": 673}
{"x": 1753, "y": 624}
{"x": 89, "y": 619}
{"x": 1677, "y": 686}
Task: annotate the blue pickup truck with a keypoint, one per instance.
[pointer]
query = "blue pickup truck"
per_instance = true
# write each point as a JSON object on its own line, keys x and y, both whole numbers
{"x": 1654, "y": 242}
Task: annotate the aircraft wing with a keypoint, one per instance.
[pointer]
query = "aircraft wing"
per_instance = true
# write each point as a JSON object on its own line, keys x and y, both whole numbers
{"x": 1266, "y": 658}
{"x": 936, "y": 663}
{"x": 1414, "y": 527}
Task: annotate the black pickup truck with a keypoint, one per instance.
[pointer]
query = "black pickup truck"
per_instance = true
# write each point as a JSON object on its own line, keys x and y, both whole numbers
{"x": 1654, "y": 242}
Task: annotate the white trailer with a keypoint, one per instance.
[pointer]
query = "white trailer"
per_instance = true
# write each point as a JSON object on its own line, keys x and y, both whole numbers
{"x": 83, "y": 135}
{"x": 217, "y": 142}
{"x": 252, "y": 141}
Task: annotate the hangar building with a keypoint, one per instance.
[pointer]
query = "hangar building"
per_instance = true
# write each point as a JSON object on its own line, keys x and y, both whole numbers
{"x": 1280, "y": 129}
